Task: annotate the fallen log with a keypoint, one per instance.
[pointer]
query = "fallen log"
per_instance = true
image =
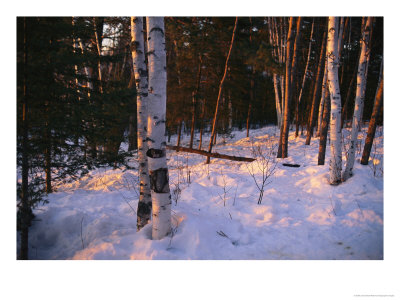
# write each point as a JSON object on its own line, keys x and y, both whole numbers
{"x": 291, "y": 165}
{"x": 215, "y": 155}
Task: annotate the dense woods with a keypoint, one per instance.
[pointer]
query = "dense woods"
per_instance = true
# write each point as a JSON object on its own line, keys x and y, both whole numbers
{"x": 88, "y": 89}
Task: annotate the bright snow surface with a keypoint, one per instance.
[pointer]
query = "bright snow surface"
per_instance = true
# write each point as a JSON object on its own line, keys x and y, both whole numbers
{"x": 301, "y": 216}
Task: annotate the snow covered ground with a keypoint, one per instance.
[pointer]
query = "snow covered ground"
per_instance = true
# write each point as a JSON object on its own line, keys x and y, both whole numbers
{"x": 216, "y": 215}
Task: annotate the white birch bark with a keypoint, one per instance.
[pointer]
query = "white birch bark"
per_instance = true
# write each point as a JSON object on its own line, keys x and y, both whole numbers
{"x": 140, "y": 72}
{"x": 156, "y": 154}
{"x": 360, "y": 95}
{"x": 335, "y": 164}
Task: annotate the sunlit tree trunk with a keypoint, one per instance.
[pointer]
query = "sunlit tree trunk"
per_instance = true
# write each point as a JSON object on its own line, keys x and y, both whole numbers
{"x": 335, "y": 165}
{"x": 221, "y": 84}
{"x": 156, "y": 154}
{"x": 360, "y": 95}
{"x": 140, "y": 73}
{"x": 372, "y": 122}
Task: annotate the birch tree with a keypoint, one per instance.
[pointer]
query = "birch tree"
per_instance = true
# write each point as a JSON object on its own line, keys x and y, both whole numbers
{"x": 156, "y": 154}
{"x": 140, "y": 72}
{"x": 335, "y": 164}
{"x": 360, "y": 95}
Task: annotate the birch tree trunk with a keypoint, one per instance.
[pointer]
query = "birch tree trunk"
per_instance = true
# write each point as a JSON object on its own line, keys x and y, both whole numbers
{"x": 335, "y": 164}
{"x": 372, "y": 122}
{"x": 140, "y": 73}
{"x": 221, "y": 84}
{"x": 156, "y": 154}
{"x": 360, "y": 95}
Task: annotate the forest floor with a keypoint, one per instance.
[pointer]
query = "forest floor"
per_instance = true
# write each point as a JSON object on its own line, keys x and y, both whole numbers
{"x": 215, "y": 214}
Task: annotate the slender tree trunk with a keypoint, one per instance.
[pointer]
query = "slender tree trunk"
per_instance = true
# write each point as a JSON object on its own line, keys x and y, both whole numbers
{"x": 317, "y": 91}
{"x": 140, "y": 73}
{"x": 323, "y": 132}
{"x": 98, "y": 47}
{"x": 156, "y": 154}
{"x": 203, "y": 110}
{"x": 372, "y": 122}
{"x": 178, "y": 142}
{"x": 24, "y": 208}
{"x": 277, "y": 100}
{"x": 283, "y": 143}
{"x": 360, "y": 95}
{"x": 251, "y": 100}
{"x": 334, "y": 89}
{"x": 194, "y": 103}
{"x": 221, "y": 84}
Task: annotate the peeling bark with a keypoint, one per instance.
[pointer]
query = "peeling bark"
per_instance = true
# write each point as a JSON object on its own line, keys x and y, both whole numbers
{"x": 140, "y": 73}
{"x": 158, "y": 170}
{"x": 360, "y": 96}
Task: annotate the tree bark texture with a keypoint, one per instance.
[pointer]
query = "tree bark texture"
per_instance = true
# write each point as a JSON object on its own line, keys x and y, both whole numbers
{"x": 156, "y": 154}
{"x": 323, "y": 131}
{"x": 335, "y": 165}
{"x": 360, "y": 95}
{"x": 140, "y": 72}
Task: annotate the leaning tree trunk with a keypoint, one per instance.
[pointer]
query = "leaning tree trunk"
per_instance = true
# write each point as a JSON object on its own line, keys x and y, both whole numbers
{"x": 360, "y": 95}
{"x": 317, "y": 91}
{"x": 283, "y": 141}
{"x": 221, "y": 84}
{"x": 156, "y": 154}
{"x": 140, "y": 72}
{"x": 372, "y": 122}
{"x": 335, "y": 165}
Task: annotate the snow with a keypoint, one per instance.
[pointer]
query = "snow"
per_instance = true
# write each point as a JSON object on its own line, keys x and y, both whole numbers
{"x": 216, "y": 215}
